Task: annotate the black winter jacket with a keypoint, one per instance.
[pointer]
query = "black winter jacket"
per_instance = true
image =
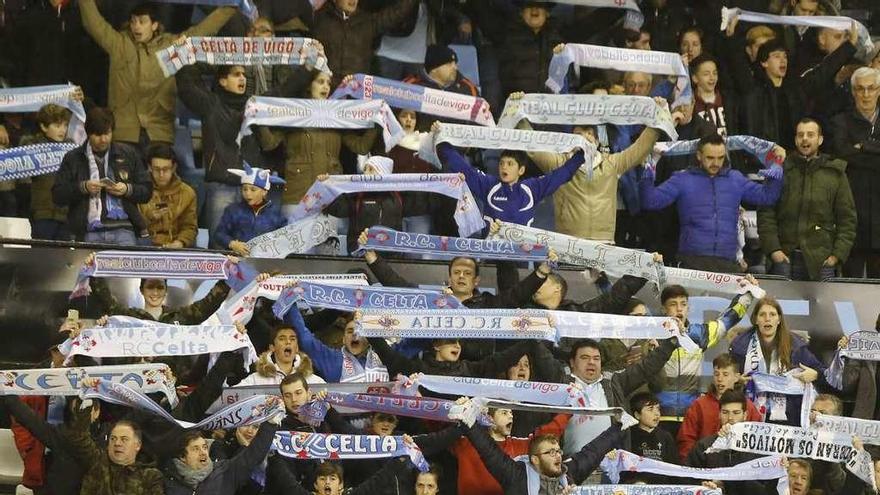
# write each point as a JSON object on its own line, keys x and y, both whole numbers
{"x": 850, "y": 129}
{"x": 69, "y": 189}
{"x": 227, "y": 475}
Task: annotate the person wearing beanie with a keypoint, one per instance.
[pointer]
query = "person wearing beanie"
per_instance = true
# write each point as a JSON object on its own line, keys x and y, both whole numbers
{"x": 254, "y": 215}
{"x": 441, "y": 72}
{"x": 368, "y": 209}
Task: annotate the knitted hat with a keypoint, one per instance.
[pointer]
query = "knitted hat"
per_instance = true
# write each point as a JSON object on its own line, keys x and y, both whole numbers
{"x": 381, "y": 164}
{"x": 438, "y": 55}
{"x": 259, "y": 177}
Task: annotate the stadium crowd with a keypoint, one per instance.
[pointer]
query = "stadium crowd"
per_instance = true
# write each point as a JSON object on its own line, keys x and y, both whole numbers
{"x": 806, "y": 208}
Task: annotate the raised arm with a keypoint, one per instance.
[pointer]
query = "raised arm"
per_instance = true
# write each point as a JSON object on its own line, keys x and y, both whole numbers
{"x": 637, "y": 374}
{"x": 200, "y": 310}
{"x": 328, "y": 362}
{"x": 477, "y": 181}
{"x": 193, "y": 93}
{"x": 498, "y": 463}
{"x": 636, "y": 153}
{"x": 109, "y": 39}
{"x": 394, "y": 361}
{"x": 212, "y": 23}
{"x": 583, "y": 463}
{"x": 616, "y": 299}
{"x": 498, "y": 362}
{"x": 385, "y": 273}
{"x": 25, "y": 418}
{"x": 763, "y": 194}
{"x": 79, "y": 441}
{"x": 244, "y": 462}
{"x": 547, "y": 184}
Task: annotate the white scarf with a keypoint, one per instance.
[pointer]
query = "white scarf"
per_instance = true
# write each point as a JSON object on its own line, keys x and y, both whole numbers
{"x": 95, "y": 203}
{"x": 755, "y": 361}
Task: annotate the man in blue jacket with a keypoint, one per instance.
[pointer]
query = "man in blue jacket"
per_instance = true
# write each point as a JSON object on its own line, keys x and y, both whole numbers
{"x": 708, "y": 198}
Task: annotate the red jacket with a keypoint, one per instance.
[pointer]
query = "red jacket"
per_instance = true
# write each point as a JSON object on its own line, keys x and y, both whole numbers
{"x": 30, "y": 449}
{"x": 475, "y": 479}
{"x": 701, "y": 420}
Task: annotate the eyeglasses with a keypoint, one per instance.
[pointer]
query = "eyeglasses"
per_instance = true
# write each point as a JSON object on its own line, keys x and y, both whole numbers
{"x": 865, "y": 89}
{"x": 552, "y": 452}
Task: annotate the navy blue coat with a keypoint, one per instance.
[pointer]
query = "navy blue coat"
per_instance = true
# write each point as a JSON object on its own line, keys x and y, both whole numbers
{"x": 242, "y": 223}
{"x": 708, "y": 207}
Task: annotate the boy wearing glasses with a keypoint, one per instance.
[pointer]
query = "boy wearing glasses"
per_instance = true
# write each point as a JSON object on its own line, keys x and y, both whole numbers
{"x": 171, "y": 212}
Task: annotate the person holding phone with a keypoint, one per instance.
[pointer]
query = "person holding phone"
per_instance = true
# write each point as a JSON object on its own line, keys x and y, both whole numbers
{"x": 171, "y": 214}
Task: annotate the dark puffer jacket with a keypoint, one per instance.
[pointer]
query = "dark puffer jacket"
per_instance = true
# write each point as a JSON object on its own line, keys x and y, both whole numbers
{"x": 708, "y": 207}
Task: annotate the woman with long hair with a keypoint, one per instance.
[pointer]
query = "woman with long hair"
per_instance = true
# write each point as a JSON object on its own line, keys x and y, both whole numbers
{"x": 769, "y": 347}
{"x": 310, "y": 152}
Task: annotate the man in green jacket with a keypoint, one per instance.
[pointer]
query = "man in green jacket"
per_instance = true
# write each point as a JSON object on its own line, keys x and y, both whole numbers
{"x": 811, "y": 230}
{"x": 141, "y": 97}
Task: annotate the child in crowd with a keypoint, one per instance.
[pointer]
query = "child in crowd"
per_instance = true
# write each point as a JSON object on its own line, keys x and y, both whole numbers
{"x": 506, "y": 197}
{"x": 254, "y": 215}
{"x": 48, "y": 220}
{"x": 646, "y": 439}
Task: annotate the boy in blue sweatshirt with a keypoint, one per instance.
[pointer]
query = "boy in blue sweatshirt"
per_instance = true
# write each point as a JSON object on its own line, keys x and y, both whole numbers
{"x": 254, "y": 215}
{"x": 506, "y": 197}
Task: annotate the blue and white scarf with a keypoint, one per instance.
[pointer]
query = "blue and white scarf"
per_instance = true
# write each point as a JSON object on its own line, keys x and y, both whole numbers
{"x": 644, "y": 490}
{"x": 322, "y": 114}
{"x": 499, "y": 138}
{"x": 124, "y": 336}
{"x": 621, "y": 59}
{"x": 863, "y": 345}
{"x": 231, "y": 395}
{"x": 331, "y": 446}
{"x": 428, "y": 408}
{"x": 240, "y": 306}
{"x": 96, "y": 202}
{"x": 32, "y": 160}
{"x": 633, "y": 19}
{"x": 251, "y": 411}
{"x": 388, "y": 240}
{"x": 512, "y": 324}
{"x": 839, "y": 23}
{"x": 613, "y": 260}
{"x": 792, "y": 441}
{"x": 570, "y": 324}
{"x": 31, "y": 99}
{"x": 146, "y": 378}
{"x": 322, "y": 193}
{"x": 178, "y": 265}
{"x": 572, "y": 110}
{"x": 294, "y": 238}
{"x": 554, "y": 394}
{"x": 351, "y": 298}
{"x": 761, "y": 149}
{"x": 304, "y": 52}
{"x": 786, "y": 384}
{"x": 419, "y": 98}
{"x": 622, "y": 461}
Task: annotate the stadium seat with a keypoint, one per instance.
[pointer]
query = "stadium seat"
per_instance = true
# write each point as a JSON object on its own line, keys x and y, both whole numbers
{"x": 11, "y": 466}
{"x": 15, "y": 228}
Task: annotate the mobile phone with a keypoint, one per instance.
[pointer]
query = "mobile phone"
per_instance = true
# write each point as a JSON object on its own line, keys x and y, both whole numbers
{"x": 72, "y": 315}
{"x": 108, "y": 182}
{"x": 161, "y": 206}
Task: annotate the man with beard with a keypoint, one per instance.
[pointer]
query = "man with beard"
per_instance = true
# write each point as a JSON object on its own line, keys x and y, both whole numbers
{"x": 811, "y": 230}
{"x": 473, "y": 476}
{"x": 355, "y": 361}
{"x": 542, "y": 470}
{"x": 193, "y": 471}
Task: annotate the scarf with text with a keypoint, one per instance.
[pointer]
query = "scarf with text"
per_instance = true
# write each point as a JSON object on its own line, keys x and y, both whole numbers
{"x": 251, "y": 411}
{"x": 764, "y": 468}
{"x": 862, "y": 345}
{"x": 32, "y": 160}
{"x": 351, "y": 298}
{"x": 321, "y": 114}
{"x": 146, "y": 378}
{"x": 573, "y": 110}
{"x": 633, "y": 19}
{"x": 388, "y": 240}
{"x": 31, "y": 99}
{"x": 577, "y": 325}
{"x": 613, "y": 260}
{"x": 177, "y": 265}
{"x": 332, "y": 446}
{"x": 839, "y": 23}
{"x": 621, "y": 59}
{"x": 511, "y": 324}
{"x": 499, "y": 138}
{"x": 294, "y": 238}
{"x": 231, "y": 395}
{"x": 792, "y": 441}
{"x": 644, "y": 490}
{"x": 419, "y": 98}
{"x": 867, "y": 430}
{"x": 761, "y": 149}
{"x": 323, "y": 192}
{"x": 124, "y": 336}
{"x": 428, "y": 408}
{"x": 225, "y": 50}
